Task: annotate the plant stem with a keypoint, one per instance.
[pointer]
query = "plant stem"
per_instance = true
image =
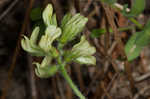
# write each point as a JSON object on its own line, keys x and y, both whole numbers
{"x": 124, "y": 28}
{"x": 136, "y": 23}
{"x": 121, "y": 29}
{"x": 70, "y": 82}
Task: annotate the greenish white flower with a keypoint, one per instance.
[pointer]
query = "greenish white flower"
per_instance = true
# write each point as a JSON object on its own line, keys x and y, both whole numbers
{"x": 65, "y": 19}
{"x": 71, "y": 27}
{"x": 47, "y": 14}
{"x": 48, "y": 17}
{"x": 83, "y": 48}
{"x": 82, "y": 52}
{"x": 45, "y": 72}
{"x": 30, "y": 46}
{"x": 51, "y": 33}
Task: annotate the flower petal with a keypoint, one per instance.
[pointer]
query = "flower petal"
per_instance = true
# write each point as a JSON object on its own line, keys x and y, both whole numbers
{"x": 51, "y": 34}
{"x": 71, "y": 27}
{"x": 90, "y": 60}
{"x": 45, "y": 72}
{"x": 83, "y": 48}
{"x": 28, "y": 46}
{"x": 34, "y": 35}
{"x": 47, "y": 14}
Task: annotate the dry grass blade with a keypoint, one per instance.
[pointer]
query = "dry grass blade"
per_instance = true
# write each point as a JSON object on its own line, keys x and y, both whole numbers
{"x": 8, "y": 9}
{"x": 109, "y": 16}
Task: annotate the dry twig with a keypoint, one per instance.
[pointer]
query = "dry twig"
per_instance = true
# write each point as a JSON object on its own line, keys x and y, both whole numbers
{"x": 8, "y": 9}
{"x": 110, "y": 19}
{"x": 141, "y": 92}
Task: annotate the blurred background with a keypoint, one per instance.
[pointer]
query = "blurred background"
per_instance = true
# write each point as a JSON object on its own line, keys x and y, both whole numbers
{"x": 112, "y": 77}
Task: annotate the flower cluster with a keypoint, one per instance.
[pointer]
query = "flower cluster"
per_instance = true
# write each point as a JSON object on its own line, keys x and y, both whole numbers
{"x": 70, "y": 27}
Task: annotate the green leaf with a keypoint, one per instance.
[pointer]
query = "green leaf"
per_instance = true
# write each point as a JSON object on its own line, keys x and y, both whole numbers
{"x": 97, "y": 33}
{"x": 132, "y": 49}
{"x": 36, "y": 14}
{"x": 147, "y": 27}
{"x": 72, "y": 28}
{"x": 110, "y": 2}
{"x": 137, "y": 42}
{"x": 136, "y": 9}
{"x": 124, "y": 12}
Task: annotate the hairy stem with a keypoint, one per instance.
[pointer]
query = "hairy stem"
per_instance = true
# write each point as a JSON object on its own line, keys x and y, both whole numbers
{"x": 70, "y": 82}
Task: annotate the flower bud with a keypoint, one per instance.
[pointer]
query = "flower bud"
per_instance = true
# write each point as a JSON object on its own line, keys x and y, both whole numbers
{"x": 72, "y": 27}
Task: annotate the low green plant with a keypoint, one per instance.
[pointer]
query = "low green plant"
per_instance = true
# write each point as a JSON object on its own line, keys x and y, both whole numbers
{"x": 139, "y": 39}
{"x": 43, "y": 46}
